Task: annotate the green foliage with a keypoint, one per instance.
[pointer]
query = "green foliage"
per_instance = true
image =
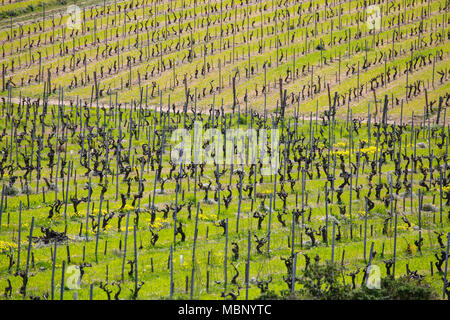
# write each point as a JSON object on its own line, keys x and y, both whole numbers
{"x": 11, "y": 190}
{"x": 242, "y": 120}
{"x": 321, "y": 282}
{"x": 402, "y": 288}
{"x": 269, "y": 295}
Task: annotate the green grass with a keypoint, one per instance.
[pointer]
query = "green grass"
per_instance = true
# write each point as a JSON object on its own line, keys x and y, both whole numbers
{"x": 261, "y": 267}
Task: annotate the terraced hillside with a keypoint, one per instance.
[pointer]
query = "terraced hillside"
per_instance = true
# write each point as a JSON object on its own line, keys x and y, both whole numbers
{"x": 233, "y": 53}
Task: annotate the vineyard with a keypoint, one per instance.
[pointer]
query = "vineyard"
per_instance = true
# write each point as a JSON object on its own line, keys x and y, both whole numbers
{"x": 224, "y": 149}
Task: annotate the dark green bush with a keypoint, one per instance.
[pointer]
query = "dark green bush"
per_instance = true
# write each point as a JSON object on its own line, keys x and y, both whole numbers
{"x": 269, "y": 295}
{"x": 321, "y": 282}
{"x": 402, "y": 288}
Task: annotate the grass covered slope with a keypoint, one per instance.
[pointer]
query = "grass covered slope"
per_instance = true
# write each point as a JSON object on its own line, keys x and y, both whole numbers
{"x": 122, "y": 180}
{"x": 139, "y": 50}
{"x": 93, "y": 204}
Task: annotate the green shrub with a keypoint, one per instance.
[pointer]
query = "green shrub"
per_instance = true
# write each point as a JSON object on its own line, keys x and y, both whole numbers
{"x": 402, "y": 288}
{"x": 242, "y": 120}
{"x": 11, "y": 190}
{"x": 321, "y": 282}
{"x": 269, "y": 295}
